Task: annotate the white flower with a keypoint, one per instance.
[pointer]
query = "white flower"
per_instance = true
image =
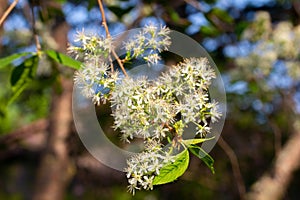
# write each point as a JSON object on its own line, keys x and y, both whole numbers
{"x": 151, "y": 29}
{"x": 148, "y": 42}
{"x": 81, "y": 37}
{"x": 152, "y": 58}
{"x": 214, "y": 111}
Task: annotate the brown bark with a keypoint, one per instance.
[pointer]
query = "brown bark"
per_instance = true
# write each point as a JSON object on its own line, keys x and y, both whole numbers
{"x": 55, "y": 167}
{"x": 274, "y": 184}
{"x": 3, "y": 6}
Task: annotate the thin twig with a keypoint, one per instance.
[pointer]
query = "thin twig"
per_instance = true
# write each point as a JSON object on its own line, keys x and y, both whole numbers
{"x": 35, "y": 35}
{"x": 235, "y": 166}
{"x": 6, "y": 13}
{"x": 104, "y": 23}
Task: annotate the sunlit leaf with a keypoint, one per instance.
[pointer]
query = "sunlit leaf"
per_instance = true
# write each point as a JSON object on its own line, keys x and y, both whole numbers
{"x": 196, "y": 141}
{"x": 9, "y": 59}
{"x": 171, "y": 171}
{"x": 200, "y": 153}
{"x": 63, "y": 59}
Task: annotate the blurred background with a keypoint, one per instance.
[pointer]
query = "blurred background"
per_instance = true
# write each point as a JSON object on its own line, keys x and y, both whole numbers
{"x": 256, "y": 47}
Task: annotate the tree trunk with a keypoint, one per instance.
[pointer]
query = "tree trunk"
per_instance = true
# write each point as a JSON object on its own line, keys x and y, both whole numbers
{"x": 55, "y": 168}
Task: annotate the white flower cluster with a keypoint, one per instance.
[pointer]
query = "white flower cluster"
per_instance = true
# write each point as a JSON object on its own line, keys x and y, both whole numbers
{"x": 90, "y": 47}
{"x": 94, "y": 78}
{"x": 158, "y": 110}
{"x": 261, "y": 29}
{"x": 149, "y": 108}
{"x": 138, "y": 111}
{"x": 261, "y": 60}
{"x": 148, "y": 43}
{"x": 143, "y": 167}
{"x": 270, "y": 44}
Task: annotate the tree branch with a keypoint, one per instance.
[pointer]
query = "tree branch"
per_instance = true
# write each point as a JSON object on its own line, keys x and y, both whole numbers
{"x": 9, "y": 9}
{"x": 104, "y": 23}
{"x": 35, "y": 35}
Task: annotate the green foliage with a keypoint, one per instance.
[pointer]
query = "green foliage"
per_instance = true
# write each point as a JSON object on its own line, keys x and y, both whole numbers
{"x": 174, "y": 15}
{"x": 196, "y": 141}
{"x": 9, "y": 59}
{"x": 171, "y": 171}
{"x": 200, "y": 153}
{"x": 222, "y": 15}
{"x": 209, "y": 30}
{"x": 63, "y": 59}
{"x": 22, "y": 75}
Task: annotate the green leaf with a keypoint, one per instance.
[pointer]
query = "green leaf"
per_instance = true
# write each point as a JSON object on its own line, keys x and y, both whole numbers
{"x": 222, "y": 15}
{"x": 240, "y": 28}
{"x": 171, "y": 171}
{"x": 200, "y": 153}
{"x": 22, "y": 75}
{"x": 196, "y": 141}
{"x": 63, "y": 59}
{"x": 9, "y": 59}
{"x": 174, "y": 15}
{"x": 210, "y": 30}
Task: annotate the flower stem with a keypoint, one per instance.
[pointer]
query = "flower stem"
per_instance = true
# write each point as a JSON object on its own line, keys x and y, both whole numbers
{"x": 104, "y": 23}
{"x": 35, "y": 35}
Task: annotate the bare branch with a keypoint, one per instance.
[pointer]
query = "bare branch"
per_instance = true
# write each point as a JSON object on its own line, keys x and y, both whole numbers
{"x": 35, "y": 35}
{"x": 104, "y": 23}
{"x": 9, "y": 9}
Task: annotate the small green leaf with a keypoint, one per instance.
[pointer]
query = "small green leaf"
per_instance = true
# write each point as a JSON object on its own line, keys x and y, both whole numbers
{"x": 17, "y": 73}
{"x": 200, "y": 153}
{"x": 209, "y": 30}
{"x": 63, "y": 59}
{"x": 171, "y": 171}
{"x": 196, "y": 141}
{"x": 9, "y": 59}
{"x": 174, "y": 15}
{"x": 222, "y": 15}
{"x": 23, "y": 72}
{"x": 22, "y": 75}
